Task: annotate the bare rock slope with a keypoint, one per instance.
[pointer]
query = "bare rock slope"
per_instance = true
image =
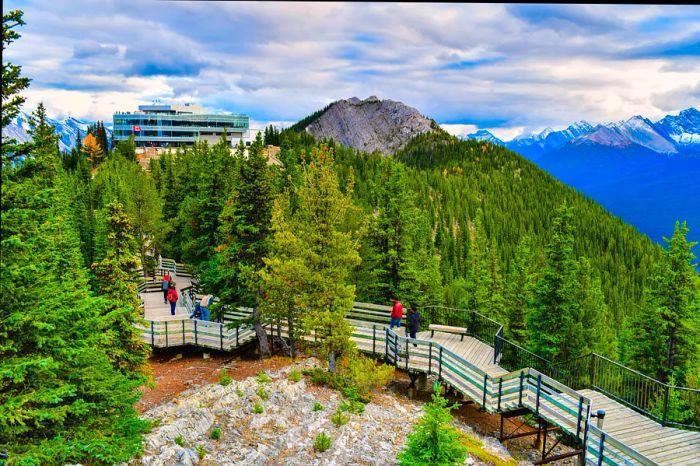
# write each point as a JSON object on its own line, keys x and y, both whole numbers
{"x": 371, "y": 124}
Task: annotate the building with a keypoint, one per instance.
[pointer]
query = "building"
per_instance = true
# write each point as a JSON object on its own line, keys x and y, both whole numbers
{"x": 160, "y": 125}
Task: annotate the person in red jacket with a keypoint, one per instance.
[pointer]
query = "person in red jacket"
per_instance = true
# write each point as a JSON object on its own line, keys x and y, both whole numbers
{"x": 172, "y": 297}
{"x": 396, "y": 314}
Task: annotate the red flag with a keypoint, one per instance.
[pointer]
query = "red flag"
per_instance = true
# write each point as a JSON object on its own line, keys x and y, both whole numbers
{"x": 136, "y": 128}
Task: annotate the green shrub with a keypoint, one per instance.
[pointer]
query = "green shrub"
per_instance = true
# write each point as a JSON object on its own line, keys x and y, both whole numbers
{"x": 239, "y": 392}
{"x": 366, "y": 375}
{"x": 215, "y": 434}
{"x": 263, "y": 377}
{"x": 354, "y": 407}
{"x": 322, "y": 442}
{"x": 340, "y": 419}
{"x": 262, "y": 393}
{"x": 434, "y": 440}
{"x": 201, "y": 452}
{"x": 257, "y": 409}
{"x": 179, "y": 441}
{"x": 295, "y": 375}
{"x": 318, "y": 406}
{"x": 224, "y": 378}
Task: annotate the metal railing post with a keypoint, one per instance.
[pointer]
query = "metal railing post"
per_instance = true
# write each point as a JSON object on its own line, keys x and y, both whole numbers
{"x": 500, "y": 388}
{"x": 153, "y": 336}
{"x": 237, "y": 344}
{"x": 374, "y": 339}
{"x": 183, "y": 333}
{"x": 166, "y": 333}
{"x": 196, "y": 342}
{"x": 578, "y": 419}
{"x": 386, "y": 345}
{"x": 221, "y": 335}
{"x": 483, "y": 398}
{"x": 537, "y": 400}
{"x": 440, "y": 365}
{"x": 665, "y": 415}
{"x": 601, "y": 448}
{"x": 520, "y": 394}
{"x": 430, "y": 357}
{"x": 406, "y": 354}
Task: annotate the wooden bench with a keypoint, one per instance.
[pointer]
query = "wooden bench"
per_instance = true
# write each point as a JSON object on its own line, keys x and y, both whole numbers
{"x": 447, "y": 329}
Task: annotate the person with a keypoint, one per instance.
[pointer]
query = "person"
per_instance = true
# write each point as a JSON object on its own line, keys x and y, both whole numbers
{"x": 197, "y": 312}
{"x": 396, "y": 314}
{"x": 166, "y": 286}
{"x": 413, "y": 322}
{"x": 172, "y": 297}
{"x": 205, "y": 303}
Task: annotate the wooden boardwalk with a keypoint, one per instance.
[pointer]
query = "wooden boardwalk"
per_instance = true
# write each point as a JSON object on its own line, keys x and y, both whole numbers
{"x": 627, "y": 438}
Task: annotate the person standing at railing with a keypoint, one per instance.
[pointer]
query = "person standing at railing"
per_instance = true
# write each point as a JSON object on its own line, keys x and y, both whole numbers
{"x": 166, "y": 286}
{"x": 172, "y": 297}
{"x": 396, "y": 314}
{"x": 204, "y": 304}
{"x": 413, "y": 319}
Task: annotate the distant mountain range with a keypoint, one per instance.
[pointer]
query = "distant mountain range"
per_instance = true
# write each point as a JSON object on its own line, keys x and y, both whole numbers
{"x": 671, "y": 135}
{"x": 648, "y": 173}
{"x": 67, "y": 129}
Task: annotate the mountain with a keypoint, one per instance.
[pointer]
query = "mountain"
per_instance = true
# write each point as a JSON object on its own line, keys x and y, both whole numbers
{"x": 484, "y": 135}
{"x": 369, "y": 125}
{"x": 535, "y": 144}
{"x": 67, "y": 129}
{"x": 683, "y": 130}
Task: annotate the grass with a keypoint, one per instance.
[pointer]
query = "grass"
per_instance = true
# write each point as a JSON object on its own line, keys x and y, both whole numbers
{"x": 258, "y": 409}
{"x": 179, "y": 441}
{"x": 318, "y": 406}
{"x": 354, "y": 407}
{"x": 239, "y": 392}
{"x": 476, "y": 448}
{"x": 322, "y": 442}
{"x": 262, "y": 393}
{"x": 224, "y": 378}
{"x": 263, "y": 377}
{"x": 295, "y": 375}
{"x": 201, "y": 452}
{"x": 340, "y": 419}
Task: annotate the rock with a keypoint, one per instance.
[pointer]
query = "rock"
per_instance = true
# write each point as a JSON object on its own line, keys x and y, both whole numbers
{"x": 370, "y": 124}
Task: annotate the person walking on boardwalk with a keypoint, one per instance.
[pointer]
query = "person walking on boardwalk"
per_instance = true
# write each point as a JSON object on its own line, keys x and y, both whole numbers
{"x": 205, "y": 303}
{"x": 396, "y": 314}
{"x": 172, "y": 297}
{"x": 166, "y": 286}
{"x": 413, "y": 319}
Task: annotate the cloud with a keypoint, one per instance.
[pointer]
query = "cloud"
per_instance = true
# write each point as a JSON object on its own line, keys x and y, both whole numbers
{"x": 91, "y": 48}
{"x": 500, "y": 67}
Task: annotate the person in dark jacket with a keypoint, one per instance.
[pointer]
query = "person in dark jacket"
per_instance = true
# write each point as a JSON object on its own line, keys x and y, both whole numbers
{"x": 166, "y": 286}
{"x": 413, "y": 319}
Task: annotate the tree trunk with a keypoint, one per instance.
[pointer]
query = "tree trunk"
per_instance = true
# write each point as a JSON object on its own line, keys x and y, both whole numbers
{"x": 331, "y": 361}
{"x": 260, "y": 333}
{"x": 292, "y": 340}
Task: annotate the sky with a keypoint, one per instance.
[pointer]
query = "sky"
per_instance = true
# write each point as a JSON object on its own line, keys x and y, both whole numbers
{"x": 508, "y": 68}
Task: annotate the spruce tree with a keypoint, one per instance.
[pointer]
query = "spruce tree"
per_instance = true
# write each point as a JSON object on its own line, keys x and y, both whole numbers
{"x": 245, "y": 227}
{"x": 12, "y": 80}
{"x": 518, "y": 292}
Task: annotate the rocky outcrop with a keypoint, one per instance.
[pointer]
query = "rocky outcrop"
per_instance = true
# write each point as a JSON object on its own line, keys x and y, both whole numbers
{"x": 371, "y": 124}
{"x": 284, "y": 433}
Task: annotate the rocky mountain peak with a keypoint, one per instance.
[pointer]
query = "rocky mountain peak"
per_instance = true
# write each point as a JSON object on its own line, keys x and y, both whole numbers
{"x": 371, "y": 124}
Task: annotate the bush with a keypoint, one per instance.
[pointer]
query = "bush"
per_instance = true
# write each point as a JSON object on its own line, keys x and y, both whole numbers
{"x": 179, "y": 441}
{"x": 263, "y": 377}
{"x": 262, "y": 393}
{"x": 340, "y": 419}
{"x": 257, "y": 409}
{"x": 434, "y": 440}
{"x": 318, "y": 406}
{"x": 295, "y": 375}
{"x": 215, "y": 434}
{"x": 322, "y": 442}
{"x": 239, "y": 392}
{"x": 201, "y": 452}
{"x": 354, "y": 407}
{"x": 224, "y": 378}
{"x": 366, "y": 375}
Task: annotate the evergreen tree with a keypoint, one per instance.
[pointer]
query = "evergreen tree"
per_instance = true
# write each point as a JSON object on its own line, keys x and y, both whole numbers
{"x": 476, "y": 294}
{"x": 434, "y": 442}
{"x": 12, "y": 80}
{"x": 245, "y": 227}
{"x": 61, "y": 401}
{"x": 518, "y": 292}
{"x": 117, "y": 285}
{"x": 325, "y": 255}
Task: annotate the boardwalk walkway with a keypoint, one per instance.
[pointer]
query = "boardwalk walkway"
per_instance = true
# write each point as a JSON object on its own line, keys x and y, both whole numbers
{"x": 467, "y": 365}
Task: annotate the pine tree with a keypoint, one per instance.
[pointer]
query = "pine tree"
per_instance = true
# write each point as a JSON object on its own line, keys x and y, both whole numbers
{"x": 245, "y": 227}
{"x": 325, "y": 254}
{"x": 117, "y": 285}
{"x": 434, "y": 442}
{"x": 12, "y": 80}
{"x": 518, "y": 292}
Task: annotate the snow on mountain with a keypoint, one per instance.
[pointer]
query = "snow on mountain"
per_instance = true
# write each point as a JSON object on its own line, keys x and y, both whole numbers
{"x": 669, "y": 136}
{"x": 640, "y": 130}
{"x": 67, "y": 129}
{"x": 683, "y": 130}
{"x": 484, "y": 135}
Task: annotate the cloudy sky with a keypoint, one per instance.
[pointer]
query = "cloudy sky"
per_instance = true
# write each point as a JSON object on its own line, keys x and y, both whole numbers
{"x": 507, "y": 68}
